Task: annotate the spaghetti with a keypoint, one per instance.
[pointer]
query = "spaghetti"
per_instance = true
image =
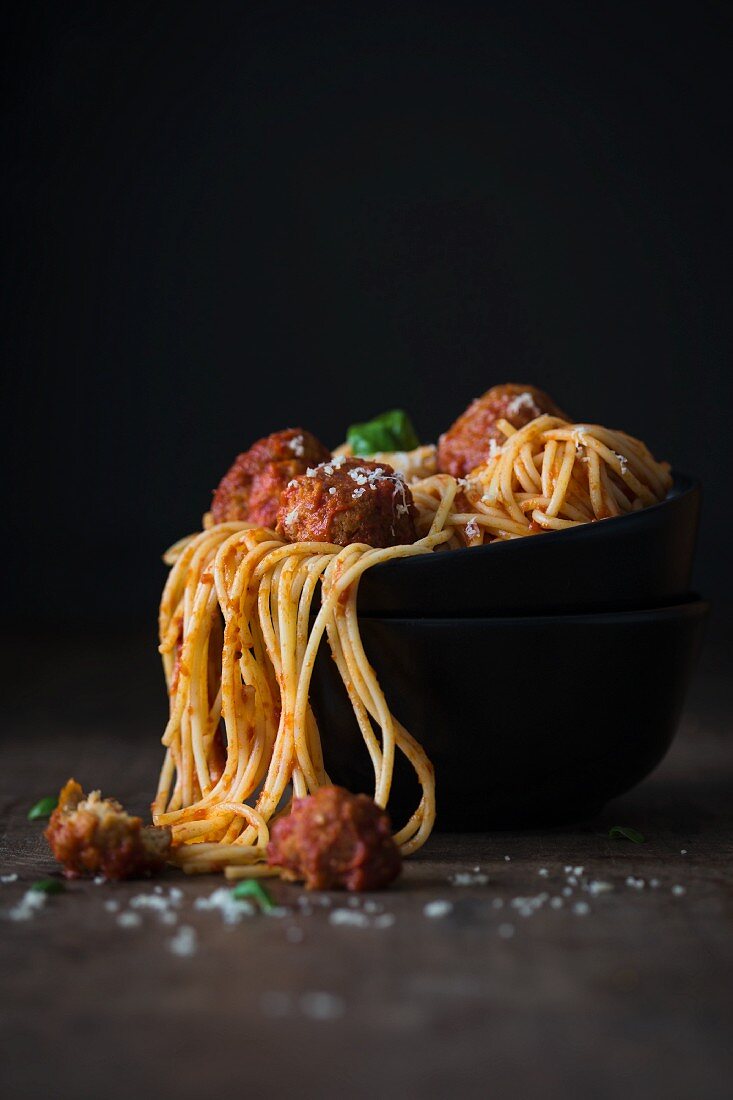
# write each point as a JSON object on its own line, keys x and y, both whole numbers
{"x": 549, "y": 476}
{"x": 239, "y": 640}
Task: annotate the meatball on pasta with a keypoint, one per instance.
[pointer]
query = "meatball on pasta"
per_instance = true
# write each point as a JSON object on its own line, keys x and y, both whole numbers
{"x": 347, "y": 500}
{"x": 472, "y": 438}
{"x": 250, "y": 489}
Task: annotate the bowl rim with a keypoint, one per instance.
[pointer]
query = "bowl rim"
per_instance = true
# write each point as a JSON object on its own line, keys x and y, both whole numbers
{"x": 683, "y": 486}
{"x": 695, "y": 607}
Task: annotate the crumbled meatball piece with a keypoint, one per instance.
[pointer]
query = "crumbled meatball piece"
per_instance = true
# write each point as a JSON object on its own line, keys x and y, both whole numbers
{"x": 348, "y": 500}
{"x": 92, "y": 835}
{"x": 467, "y": 443}
{"x": 250, "y": 490}
{"x": 335, "y": 840}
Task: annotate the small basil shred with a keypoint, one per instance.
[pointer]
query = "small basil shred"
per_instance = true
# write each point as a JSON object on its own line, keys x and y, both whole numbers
{"x": 390, "y": 431}
{"x": 627, "y": 833}
{"x": 44, "y": 808}
{"x": 251, "y": 888}
{"x": 49, "y": 886}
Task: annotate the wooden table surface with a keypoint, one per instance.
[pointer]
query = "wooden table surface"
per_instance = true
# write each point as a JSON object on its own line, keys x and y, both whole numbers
{"x": 623, "y": 993}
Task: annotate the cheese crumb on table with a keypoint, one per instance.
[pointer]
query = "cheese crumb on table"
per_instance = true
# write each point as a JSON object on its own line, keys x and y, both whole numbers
{"x": 184, "y": 943}
{"x": 30, "y": 904}
{"x": 438, "y": 908}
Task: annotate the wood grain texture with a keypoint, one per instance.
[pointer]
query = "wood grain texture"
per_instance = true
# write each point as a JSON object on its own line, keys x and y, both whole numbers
{"x": 632, "y": 999}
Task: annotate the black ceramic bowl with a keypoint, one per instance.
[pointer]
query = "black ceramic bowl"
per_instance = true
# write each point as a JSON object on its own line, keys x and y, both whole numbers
{"x": 640, "y": 560}
{"x": 528, "y": 721}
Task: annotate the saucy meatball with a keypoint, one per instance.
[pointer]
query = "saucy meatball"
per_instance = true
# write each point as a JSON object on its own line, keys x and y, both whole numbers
{"x": 250, "y": 489}
{"x": 467, "y": 443}
{"x": 335, "y": 840}
{"x": 91, "y": 835}
{"x": 348, "y": 500}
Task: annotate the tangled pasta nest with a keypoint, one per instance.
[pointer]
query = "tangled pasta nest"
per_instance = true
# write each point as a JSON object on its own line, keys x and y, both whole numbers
{"x": 548, "y": 476}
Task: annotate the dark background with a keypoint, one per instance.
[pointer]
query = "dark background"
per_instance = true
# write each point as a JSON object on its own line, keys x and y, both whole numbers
{"x": 222, "y": 219}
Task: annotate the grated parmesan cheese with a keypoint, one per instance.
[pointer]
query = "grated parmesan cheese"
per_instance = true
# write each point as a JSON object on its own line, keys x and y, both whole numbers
{"x": 436, "y": 909}
{"x": 159, "y": 903}
{"x": 595, "y": 888}
{"x": 468, "y": 878}
{"x": 521, "y": 401}
{"x": 353, "y": 918}
{"x": 149, "y": 901}
{"x": 184, "y": 943}
{"x": 349, "y": 917}
{"x": 231, "y": 909}
{"x": 31, "y": 902}
{"x": 129, "y": 920}
{"x": 528, "y": 906}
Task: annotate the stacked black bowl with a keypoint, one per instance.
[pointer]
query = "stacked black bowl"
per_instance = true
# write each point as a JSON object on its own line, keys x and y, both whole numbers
{"x": 543, "y": 676}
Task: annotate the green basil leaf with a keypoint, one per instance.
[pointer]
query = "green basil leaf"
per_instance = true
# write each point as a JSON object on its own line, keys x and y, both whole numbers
{"x": 390, "y": 431}
{"x": 49, "y": 886}
{"x": 250, "y": 888}
{"x": 627, "y": 833}
{"x": 44, "y": 808}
